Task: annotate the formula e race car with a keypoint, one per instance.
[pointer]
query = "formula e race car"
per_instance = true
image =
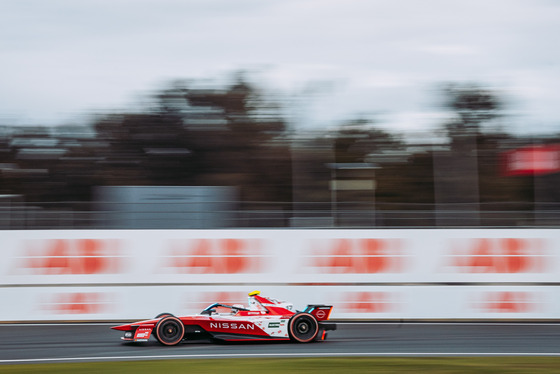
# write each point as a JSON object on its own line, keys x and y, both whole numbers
{"x": 265, "y": 319}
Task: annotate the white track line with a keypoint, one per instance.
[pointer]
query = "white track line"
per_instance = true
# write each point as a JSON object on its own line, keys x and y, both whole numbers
{"x": 264, "y": 355}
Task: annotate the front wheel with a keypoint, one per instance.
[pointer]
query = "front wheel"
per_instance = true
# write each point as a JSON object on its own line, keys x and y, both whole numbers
{"x": 170, "y": 330}
{"x": 164, "y": 315}
{"x": 303, "y": 327}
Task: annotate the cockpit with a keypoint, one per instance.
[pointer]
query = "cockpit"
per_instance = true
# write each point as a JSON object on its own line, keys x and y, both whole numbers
{"x": 257, "y": 305}
{"x": 222, "y": 309}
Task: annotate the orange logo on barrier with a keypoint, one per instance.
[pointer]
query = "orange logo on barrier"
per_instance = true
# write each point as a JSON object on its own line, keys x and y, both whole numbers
{"x": 368, "y": 302}
{"x": 78, "y": 303}
{"x": 72, "y": 256}
{"x": 501, "y": 256}
{"x": 360, "y": 256}
{"x": 217, "y": 256}
{"x": 508, "y": 302}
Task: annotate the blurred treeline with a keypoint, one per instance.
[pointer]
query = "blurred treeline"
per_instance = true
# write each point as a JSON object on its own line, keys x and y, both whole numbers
{"x": 239, "y": 134}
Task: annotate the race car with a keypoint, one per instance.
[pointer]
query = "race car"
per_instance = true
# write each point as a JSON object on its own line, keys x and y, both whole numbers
{"x": 265, "y": 319}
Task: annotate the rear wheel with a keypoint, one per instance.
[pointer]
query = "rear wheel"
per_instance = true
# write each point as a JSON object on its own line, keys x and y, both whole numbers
{"x": 170, "y": 330}
{"x": 303, "y": 327}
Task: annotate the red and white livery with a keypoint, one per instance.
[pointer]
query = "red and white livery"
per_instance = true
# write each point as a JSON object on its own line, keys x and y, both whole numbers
{"x": 264, "y": 319}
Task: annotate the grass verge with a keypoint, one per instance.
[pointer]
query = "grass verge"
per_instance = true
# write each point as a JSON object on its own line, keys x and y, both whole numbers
{"x": 306, "y": 365}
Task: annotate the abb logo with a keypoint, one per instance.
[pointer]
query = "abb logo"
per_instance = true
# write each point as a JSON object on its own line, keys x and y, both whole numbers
{"x": 358, "y": 256}
{"x": 78, "y": 303}
{"x": 500, "y": 256}
{"x": 217, "y": 256}
{"x": 508, "y": 302}
{"x": 368, "y": 302}
{"x": 72, "y": 256}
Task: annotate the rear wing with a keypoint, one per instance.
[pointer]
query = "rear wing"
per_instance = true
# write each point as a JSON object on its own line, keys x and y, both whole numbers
{"x": 319, "y": 311}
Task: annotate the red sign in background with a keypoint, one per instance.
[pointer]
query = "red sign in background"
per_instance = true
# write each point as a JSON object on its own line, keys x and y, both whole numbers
{"x": 533, "y": 160}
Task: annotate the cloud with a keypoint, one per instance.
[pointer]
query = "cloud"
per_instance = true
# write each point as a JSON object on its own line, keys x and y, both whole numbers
{"x": 61, "y": 56}
{"x": 448, "y": 49}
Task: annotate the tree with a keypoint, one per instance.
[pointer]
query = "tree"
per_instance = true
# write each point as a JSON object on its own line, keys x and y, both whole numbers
{"x": 473, "y": 106}
{"x": 201, "y": 136}
{"x": 357, "y": 139}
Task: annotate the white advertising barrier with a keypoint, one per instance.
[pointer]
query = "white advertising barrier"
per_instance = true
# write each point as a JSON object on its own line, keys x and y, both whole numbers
{"x": 382, "y": 274}
{"x": 111, "y": 303}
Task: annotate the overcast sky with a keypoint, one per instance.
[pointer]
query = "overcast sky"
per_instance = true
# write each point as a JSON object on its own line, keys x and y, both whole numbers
{"x": 61, "y": 59}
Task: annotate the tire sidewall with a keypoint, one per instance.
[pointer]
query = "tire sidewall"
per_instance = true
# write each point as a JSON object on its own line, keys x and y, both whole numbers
{"x": 161, "y": 315}
{"x": 293, "y": 322}
{"x": 160, "y": 325}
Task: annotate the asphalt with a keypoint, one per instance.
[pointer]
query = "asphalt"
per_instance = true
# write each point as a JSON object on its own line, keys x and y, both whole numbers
{"x": 29, "y": 343}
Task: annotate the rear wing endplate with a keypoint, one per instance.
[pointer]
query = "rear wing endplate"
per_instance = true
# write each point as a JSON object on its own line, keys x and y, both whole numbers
{"x": 319, "y": 311}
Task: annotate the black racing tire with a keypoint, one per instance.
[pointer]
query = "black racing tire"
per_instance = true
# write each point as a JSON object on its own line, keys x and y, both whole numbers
{"x": 164, "y": 315}
{"x": 169, "y": 330}
{"x": 161, "y": 315}
{"x": 303, "y": 328}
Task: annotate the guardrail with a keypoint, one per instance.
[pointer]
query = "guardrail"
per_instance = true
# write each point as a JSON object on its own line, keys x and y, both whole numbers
{"x": 267, "y": 215}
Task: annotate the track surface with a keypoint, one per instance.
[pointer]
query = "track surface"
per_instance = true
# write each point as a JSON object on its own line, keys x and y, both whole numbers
{"x": 94, "y": 342}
